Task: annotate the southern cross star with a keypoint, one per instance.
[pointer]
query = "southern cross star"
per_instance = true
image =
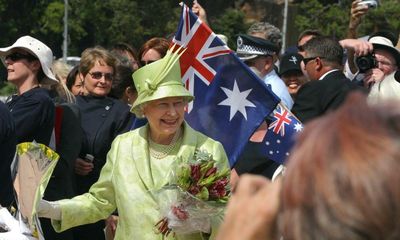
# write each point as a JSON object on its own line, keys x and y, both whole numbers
{"x": 236, "y": 100}
{"x": 298, "y": 127}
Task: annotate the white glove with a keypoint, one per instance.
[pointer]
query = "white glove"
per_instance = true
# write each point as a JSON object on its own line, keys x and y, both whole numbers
{"x": 50, "y": 210}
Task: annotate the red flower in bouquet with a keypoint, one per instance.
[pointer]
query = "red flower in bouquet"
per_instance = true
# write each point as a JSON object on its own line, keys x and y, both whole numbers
{"x": 218, "y": 189}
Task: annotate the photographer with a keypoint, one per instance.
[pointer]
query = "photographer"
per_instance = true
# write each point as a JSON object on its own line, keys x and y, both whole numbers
{"x": 384, "y": 60}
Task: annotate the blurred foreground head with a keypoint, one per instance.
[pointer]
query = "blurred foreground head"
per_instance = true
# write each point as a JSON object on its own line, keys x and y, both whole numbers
{"x": 342, "y": 180}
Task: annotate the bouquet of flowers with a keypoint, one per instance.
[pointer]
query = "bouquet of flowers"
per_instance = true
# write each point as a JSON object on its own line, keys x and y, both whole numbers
{"x": 197, "y": 190}
{"x": 32, "y": 168}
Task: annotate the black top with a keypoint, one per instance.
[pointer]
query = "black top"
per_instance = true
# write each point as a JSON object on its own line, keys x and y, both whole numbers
{"x": 315, "y": 98}
{"x": 253, "y": 160}
{"x": 33, "y": 113}
{"x": 102, "y": 119}
{"x": 7, "y": 150}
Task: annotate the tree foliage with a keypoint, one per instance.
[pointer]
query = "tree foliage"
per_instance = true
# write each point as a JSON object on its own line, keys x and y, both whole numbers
{"x": 230, "y": 23}
{"x": 333, "y": 19}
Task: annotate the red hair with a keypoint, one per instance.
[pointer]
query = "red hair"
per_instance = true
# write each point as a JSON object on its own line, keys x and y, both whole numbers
{"x": 342, "y": 179}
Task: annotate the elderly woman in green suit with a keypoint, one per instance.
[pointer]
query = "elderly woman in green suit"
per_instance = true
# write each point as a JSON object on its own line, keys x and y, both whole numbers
{"x": 139, "y": 161}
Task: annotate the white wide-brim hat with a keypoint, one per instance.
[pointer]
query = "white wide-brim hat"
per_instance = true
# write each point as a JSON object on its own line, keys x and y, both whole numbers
{"x": 383, "y": 43}
{"x": 37, "y": 49}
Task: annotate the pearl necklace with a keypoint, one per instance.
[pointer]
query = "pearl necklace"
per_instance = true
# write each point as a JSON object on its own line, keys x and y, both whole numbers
{"x": 160, "y": 151}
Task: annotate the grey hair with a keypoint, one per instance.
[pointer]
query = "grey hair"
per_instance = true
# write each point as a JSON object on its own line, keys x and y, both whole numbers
{"x": 269, "y": 31}
{"x": 140, "y": 111}
{"x": 326, "y": 48}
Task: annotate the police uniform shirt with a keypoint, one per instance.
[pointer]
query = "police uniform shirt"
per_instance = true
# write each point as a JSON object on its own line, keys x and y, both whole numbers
{"x": 279, "y": 88}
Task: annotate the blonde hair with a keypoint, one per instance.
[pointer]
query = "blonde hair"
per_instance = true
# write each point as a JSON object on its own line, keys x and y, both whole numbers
{"x": 98, "y": 54}
{"x": 61, "y": 69}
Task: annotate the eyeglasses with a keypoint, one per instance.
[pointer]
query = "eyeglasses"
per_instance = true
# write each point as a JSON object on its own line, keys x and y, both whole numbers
{"x": 15, "y": 56}
{"x": 99, "y": 75}
{"x": 306, "y": 60}
{"x": 144, "y": 63}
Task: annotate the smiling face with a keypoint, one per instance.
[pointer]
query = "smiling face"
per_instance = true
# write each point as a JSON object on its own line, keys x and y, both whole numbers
{"x": 98, "y": 80}
{"x": 165, "y": 116}
{"x": 293, "y": 80}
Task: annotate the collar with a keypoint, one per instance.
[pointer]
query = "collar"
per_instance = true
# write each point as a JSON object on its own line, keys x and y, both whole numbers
{"x": 271, "y": 74}
{"x": 324, "y": 75}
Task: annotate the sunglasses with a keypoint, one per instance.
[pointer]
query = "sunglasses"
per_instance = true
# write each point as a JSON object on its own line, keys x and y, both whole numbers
{"x": 15, "y": 56}
{"x": 300, "y": 48}
{"x": 144, "y": 63}
{"x": 99, "y": 75}
{"x": 306, "y": 60}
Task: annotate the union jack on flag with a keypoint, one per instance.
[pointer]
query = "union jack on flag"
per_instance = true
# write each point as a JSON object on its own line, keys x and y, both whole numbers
{"x": 230, "y": 100}
{"x": 281, "y": 117}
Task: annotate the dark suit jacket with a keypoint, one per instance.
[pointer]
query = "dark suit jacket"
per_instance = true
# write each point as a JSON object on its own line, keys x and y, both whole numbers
{"x": 7, "y": 150}
{"x": 317, "y": 97}
{"x": 253, "y": 160}
{"x": 103, "y": 118}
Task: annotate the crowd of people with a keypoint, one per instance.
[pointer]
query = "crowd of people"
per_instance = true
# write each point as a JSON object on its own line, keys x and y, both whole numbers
{"x": 117, "y": 121}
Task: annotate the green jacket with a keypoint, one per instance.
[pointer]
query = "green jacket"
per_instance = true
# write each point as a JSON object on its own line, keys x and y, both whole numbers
{"x": 127, "y": 182}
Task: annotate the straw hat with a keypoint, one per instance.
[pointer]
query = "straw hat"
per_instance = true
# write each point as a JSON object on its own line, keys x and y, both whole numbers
{"x": 158, "y": 80}
{"x": 37, "y": 49}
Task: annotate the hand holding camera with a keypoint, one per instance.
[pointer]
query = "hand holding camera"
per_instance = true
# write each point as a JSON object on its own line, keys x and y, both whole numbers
{"x": 373, "y": 76}
{"x": 369, "y": 3}
{"x": 367, "y": 62}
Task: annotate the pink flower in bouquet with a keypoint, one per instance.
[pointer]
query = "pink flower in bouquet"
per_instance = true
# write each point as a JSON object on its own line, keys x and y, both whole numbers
{"x": 180, "y": 212}
{"x": 218, "y": 189}
{"x": 210, "y": 172}
{"x": 195, "y": 172}
{"x": 194, "y": 189}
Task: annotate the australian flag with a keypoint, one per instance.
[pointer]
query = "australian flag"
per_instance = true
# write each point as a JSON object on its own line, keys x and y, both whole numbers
{"x": 281, "y": 133}
{"x": 230, "y": 100}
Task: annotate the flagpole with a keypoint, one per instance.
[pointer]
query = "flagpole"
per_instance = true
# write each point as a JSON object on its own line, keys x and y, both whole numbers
{"x": 65, "y": 34}
{"x": 284, "y": 27}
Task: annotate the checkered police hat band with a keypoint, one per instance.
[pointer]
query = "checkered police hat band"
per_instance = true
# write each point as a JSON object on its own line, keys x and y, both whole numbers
{"x": 247, "y": 49}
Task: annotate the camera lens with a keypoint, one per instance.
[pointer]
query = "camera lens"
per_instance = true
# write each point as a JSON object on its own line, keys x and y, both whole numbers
{"x": 364, "y": 63}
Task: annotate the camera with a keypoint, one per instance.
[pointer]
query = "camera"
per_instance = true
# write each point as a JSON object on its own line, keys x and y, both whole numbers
{"x": 88, "y": 158}
{"x": 367, "y": 62}
{"x": 369, "y": 3}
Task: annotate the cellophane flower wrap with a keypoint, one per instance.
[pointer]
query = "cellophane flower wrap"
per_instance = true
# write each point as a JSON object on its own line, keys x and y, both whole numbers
{"x": 197, "y": 191}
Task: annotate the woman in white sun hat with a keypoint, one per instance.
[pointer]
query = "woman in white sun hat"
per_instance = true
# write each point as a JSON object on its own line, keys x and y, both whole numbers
{"x": 28, "y": 64}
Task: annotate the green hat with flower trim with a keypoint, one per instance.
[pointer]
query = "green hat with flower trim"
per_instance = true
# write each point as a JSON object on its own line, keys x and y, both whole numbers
{"x": 159, "y": 79}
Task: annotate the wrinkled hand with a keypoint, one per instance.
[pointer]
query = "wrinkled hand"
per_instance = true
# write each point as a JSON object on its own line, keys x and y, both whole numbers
{"x": 111, "y": 226}
{"x": 49, "y": 209}
{"x": 356, "y": 12}
{"x": 82, "y": 167}
{"x": 199, "y": 11}
{"x": 360, "y": 47}
{"x": 252, "y": 210}
{"x": 373, "y": 76}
